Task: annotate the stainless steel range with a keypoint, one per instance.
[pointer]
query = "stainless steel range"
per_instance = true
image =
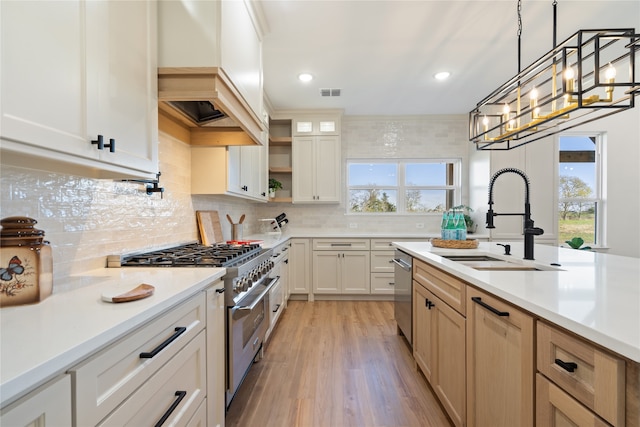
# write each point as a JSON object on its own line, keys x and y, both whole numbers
{"x": 246, "y": 283}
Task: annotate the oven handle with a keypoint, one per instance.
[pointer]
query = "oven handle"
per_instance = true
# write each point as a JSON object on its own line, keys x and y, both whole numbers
{"x": 261, "y": 295}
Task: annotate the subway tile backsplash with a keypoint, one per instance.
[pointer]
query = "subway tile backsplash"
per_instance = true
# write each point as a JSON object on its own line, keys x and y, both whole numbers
{"x": 87, "y": 219}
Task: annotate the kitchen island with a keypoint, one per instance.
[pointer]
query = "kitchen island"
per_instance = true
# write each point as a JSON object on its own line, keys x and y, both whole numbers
{"x": 555, "y": 338}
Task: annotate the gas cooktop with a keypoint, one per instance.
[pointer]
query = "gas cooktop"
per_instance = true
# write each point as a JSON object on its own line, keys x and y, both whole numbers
{"x": 190, "y": 255}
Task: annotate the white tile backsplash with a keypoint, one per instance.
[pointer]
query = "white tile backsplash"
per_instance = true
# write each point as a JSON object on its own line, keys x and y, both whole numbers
{"x": 87, "y": 219}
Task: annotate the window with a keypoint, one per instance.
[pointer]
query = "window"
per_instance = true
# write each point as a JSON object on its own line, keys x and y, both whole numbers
{"x": 580, "y": 202}
{"x": 402, "y": 187}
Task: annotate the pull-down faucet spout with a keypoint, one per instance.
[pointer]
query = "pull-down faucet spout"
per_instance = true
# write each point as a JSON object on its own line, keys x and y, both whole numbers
{"x": 529, "y": 229}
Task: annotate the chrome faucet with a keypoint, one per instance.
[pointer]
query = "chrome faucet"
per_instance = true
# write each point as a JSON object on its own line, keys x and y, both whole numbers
{"x": 529, "y": 229}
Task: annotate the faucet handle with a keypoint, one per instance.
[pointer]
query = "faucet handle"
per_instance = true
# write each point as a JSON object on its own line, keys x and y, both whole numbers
{"x": 534, "y": 231}
{"x": 489, "y": 217}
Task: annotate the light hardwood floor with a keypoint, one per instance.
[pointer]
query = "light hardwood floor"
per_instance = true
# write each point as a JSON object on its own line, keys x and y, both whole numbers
{"x": 333, "y": 364}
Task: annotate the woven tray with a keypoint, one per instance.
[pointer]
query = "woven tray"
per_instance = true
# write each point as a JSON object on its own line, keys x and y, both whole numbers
{"x": 455, "y": 244}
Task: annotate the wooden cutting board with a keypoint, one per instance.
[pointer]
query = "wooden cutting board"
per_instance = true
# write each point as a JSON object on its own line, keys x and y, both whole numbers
{"x": 209, "y": 226}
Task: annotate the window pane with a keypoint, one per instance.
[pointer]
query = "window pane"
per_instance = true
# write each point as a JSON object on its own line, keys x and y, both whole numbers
{"x": 577, "y": 220}
{"x": 577, "y": 167}
{"x": 426, "y": 174}
{"x": 426, "y": 200}
{"x": 373, "y": 174}
{"x": 373, "y": 200}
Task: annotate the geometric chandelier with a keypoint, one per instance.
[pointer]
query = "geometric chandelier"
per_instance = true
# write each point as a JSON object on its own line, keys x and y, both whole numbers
{"x": 589, "y": 76}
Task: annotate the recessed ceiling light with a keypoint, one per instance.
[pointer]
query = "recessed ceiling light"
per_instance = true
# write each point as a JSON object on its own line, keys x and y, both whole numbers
{"x": 442, "y": 75}
{"x": 305, "y": 77}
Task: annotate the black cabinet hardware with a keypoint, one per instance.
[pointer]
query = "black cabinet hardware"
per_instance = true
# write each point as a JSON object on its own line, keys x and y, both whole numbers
{"x": 181, "y": 395}
{"x": 179, "y": 331}
{"x": 567, "y": 366}
{"x": 428, "y": 304}
{"x": 111, "y": 145}
{"x": 277, "y": 308}
{"x": 478, "y": 300}
{"x": 221, "y": 290}
{"x": 245, "y": 188}
{"x": 99, "y": 142}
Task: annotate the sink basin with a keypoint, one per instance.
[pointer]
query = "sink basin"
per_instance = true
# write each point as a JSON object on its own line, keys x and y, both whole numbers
{"x": 482, "y": 262}
{"x": 465, "y": 258}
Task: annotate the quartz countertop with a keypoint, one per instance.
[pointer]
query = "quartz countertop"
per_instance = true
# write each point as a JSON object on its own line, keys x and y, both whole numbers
{"x": 594, "y": 295}
{"x": 40, "y": 341}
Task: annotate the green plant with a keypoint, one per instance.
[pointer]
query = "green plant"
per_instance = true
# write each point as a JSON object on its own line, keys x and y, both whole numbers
{"x": 466, "y": 210}
{"x": 576, "y": 242}
{"x": 274, "y": 184}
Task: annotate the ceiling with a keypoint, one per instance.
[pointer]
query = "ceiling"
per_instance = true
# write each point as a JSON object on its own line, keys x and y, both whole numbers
{"x": 383, "y": 54}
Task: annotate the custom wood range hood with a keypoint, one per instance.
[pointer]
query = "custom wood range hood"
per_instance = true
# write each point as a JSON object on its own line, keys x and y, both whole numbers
{"x": 207, "y": 106}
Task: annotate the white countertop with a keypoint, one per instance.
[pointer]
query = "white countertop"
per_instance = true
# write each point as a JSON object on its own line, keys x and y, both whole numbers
{"x": 594, "y": 295}
{"x": 39, "y": 341}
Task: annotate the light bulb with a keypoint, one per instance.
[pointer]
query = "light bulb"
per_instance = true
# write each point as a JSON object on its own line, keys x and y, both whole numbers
{"x": 568, "y": 73}
{"x": 533, "y": 94}
{"x": 506, "y": 109}
{"x": 485, "y": 123}
{"x": 610, "y": 74}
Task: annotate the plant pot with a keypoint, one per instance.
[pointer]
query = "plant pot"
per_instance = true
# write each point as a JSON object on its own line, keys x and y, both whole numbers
{"x": 272, "y": 194}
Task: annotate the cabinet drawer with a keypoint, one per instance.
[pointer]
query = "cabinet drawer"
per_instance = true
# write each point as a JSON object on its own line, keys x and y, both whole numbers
{"x": 340, "y": 244}
{"x": 448, "y": 288}
{"x": 103, "y": 381}
{"x": 181, "y": 382}
{"x": 554, "y": 407}
{"x": 597, "y": 380}
{"x": 381, "y": 261}
{"x": 382, "y": 283}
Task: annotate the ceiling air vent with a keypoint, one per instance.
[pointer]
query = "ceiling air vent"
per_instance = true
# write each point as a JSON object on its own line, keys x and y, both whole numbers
{"x": 330, "y": 92}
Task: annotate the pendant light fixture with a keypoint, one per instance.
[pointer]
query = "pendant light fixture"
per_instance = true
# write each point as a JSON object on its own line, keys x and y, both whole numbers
{"x": 588, "y": 76}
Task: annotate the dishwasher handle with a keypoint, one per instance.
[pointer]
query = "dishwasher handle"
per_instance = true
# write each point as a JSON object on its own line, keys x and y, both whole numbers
{"x": 402, "y": 264}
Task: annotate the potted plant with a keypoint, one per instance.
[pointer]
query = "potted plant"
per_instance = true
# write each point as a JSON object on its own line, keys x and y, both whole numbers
{"x": 471, "y": 226}
{"x": 274, "y": 185}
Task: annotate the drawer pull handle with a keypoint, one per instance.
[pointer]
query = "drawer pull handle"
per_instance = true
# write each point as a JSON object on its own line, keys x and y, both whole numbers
{"x": 341, "y": 244}
{"x": 179, "y": 331}
{"x": 497, "y": 312}
{"x": 277, "y": 308}
{"x": 221, "y": 290}
{"x": 567, "y": 366}
{"x": 181, "y": 395}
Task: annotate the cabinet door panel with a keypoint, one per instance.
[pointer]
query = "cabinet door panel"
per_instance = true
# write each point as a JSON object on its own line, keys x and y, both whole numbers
{"x": 422, "y": 330}
{"x": 355, "y": 277}
{"x": 326, "y": 272}
{"x": 303, "y": 169}
{"x": 122, "y": 66}
{"x": 43, "y": 78}
{"x": 49, "y": 405}
{"x": 300, "y": 266}
{"x": 328, "y": 177}
{"x": 500, "y": 364}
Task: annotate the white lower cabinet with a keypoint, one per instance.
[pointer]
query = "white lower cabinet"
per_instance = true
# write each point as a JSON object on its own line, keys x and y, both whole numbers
{"x": 300, "y": 266}
{"x": 47, "y": 406}
{"x": 341, "y": 266}
{"x": 114, "y": 377}
{"x": 216, "y": 371}
{"x": 173, "y": 394}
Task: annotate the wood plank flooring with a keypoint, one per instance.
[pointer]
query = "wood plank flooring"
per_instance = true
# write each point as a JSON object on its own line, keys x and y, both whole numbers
{"x": 333, "y": 364}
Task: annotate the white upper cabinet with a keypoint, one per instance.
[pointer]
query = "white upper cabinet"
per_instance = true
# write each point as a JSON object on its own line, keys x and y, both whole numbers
{"x": 72, "y": 71}
{"x": 225, "y": 34}
{"x": 321, "y": 124}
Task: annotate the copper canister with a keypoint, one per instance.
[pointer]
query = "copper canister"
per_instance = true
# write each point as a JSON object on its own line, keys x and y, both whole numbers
{"x": 26, "y": 263}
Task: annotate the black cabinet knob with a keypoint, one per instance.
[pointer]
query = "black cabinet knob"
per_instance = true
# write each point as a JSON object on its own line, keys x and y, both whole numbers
{"x": 111, "y": 145}
{"x": 99, "y": 142}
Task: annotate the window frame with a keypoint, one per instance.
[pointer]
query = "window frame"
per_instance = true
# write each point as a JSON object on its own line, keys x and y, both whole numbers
{"x": 598, "y": 197}
{"x": 401, "y": 188}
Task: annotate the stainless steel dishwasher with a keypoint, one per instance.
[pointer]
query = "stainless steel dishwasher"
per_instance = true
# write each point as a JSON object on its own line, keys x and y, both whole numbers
{"x": 403, "y": 293}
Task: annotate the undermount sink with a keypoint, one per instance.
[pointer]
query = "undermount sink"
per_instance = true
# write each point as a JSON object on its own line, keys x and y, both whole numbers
{"x": 488, "y": 263}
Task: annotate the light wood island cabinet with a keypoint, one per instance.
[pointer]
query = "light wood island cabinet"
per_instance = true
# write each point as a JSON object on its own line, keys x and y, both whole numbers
{"x": 500, "y": 362}
{"x": 439, "y": 336}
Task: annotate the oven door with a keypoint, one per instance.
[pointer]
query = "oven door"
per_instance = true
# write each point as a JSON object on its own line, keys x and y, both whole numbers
{"x": 247, "y": 325}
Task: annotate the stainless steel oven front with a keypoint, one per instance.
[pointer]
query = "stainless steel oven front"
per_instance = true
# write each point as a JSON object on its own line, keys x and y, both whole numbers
{"x": 247, "y": 326}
